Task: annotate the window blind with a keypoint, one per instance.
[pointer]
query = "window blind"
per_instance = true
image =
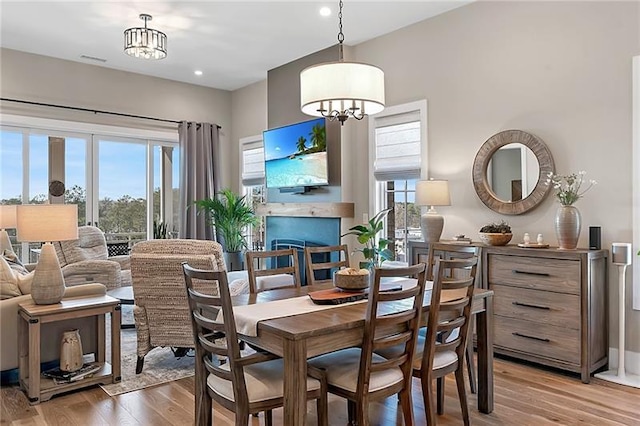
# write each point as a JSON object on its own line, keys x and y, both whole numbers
{"x": 397, "y": 147}
{"x": 252, "y": 162}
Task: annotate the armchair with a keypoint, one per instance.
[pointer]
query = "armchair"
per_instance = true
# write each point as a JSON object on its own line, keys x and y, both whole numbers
{"x": 86, "y": 260}
{"x": 161, "y": 310}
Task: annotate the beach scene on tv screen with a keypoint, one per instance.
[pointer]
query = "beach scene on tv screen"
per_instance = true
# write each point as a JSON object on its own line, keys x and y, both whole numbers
{"x": 296, "y": 155}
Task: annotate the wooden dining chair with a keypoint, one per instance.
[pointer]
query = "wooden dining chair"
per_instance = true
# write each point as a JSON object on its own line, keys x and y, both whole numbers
{"x": 272, "y": 277}
{"x": 325, "y": 260}
{"x": 244, "y": 384}
{"x": 358, "y": 374}
{"x": 447, "y": 251}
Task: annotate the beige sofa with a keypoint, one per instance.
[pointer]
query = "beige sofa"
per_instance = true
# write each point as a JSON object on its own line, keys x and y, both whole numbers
{"x": 50, "y": 332}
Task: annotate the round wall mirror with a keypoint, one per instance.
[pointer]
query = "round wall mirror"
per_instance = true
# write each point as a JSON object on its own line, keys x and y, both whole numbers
{"x": 510, "y": 172}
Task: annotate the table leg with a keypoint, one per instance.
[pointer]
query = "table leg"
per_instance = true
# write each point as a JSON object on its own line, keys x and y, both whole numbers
{"x": 100, "y": 333}
{"x": 484, "y": 328}
{"x": 23, "y": 348}
{"x": 295, "y": 383}
{"x": 34, "y": 361}
{"x": 115, "y": 343}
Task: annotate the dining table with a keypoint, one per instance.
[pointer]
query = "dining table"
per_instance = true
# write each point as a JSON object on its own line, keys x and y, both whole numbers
{"x": 296, "y": 337}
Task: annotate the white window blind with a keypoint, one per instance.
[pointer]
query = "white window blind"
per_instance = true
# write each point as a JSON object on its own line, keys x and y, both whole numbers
{"x": 252, "y": 161}
{"x": 397, "y": 147}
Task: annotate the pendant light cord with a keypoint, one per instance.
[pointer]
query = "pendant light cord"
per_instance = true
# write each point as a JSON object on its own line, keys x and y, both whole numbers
{"x": 340, "y": 33}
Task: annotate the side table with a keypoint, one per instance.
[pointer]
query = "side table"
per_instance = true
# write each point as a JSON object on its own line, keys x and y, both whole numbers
{"x": 39, "y": 388}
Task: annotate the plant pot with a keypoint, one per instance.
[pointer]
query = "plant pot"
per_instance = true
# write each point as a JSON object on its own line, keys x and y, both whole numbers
{"x": 233, "y": 260}
{"x": 495, "y": 239}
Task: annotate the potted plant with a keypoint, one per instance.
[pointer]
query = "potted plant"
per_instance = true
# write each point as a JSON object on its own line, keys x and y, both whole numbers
{"x": 496, "y": 234}
{"x": 230, "y": 214}
{"x": 375, "y": 249}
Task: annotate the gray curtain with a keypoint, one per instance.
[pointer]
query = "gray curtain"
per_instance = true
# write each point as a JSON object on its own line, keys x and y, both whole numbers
{"x": 199, "y": 165}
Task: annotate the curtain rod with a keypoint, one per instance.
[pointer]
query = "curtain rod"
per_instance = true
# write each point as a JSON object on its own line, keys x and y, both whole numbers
{"x": 95, "y": 111}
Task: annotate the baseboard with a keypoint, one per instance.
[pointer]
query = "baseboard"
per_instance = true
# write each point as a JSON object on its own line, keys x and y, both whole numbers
{"x": 10, "y": 377}
{"x": 631, "y": 360}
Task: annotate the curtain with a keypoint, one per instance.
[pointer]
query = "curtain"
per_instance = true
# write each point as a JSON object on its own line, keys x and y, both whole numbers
{"x": 199, "y": 166}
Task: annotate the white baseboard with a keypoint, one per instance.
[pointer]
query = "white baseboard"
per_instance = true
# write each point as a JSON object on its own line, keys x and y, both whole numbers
{"x": 631, "y": 360}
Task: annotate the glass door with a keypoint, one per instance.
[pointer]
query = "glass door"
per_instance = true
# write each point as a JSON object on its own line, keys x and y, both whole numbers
{"x": 121, "y": 184}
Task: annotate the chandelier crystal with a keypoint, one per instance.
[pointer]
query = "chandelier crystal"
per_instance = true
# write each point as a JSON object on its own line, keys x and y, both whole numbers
{"x": 339, "y": 90}
{"x": 145, "y": 43}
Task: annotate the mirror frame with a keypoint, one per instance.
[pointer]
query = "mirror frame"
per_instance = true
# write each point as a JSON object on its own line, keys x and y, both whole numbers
{"x": 481, "y": 163}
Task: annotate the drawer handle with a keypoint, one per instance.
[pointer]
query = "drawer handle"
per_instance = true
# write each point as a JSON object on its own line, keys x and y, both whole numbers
{"x": 530, "y": 337}
{"x": 543, "y": 274}
{"x": 527, "y": 305}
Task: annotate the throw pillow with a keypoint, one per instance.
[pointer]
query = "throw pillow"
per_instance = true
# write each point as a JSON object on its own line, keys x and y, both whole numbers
{"x": 24, "y": 282}
{"x": 14, "y": 262}
{"x": 8, "y": 282}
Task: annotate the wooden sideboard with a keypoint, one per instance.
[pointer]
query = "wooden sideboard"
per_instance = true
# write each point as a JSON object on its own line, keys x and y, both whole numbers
{"x": 550, "y": 305}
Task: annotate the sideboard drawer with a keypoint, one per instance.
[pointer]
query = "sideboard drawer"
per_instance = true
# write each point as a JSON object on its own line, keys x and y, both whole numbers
{"x": 558, "y": 309}
{"x": 536, "y": 338}
{"x": 558, "y": 275}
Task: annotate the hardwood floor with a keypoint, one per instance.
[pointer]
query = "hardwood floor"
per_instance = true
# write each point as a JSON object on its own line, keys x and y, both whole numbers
{"x": 524, "y": 395}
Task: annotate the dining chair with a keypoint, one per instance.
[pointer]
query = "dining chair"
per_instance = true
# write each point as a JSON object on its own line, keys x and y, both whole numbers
{"x": 244, "y": 384}
{"x": 325, "y": 260}
{"x": 442, "y": 349}
{"x": 392, "y": 318}
{"x": 272, "y": 277}
{"x": 447, "y": 251}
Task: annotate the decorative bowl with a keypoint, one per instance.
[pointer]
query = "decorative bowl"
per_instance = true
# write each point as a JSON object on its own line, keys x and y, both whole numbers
{"x": 495, "y": 239}
{"x": 351, "y": 279}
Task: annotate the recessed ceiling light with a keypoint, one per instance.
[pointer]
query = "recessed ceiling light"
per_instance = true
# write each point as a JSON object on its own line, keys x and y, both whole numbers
{"x": 197, "y": 72}
{"x": 325, "y": 11}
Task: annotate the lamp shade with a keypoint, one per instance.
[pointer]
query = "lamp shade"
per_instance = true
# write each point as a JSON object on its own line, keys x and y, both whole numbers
{"x": 47, "y": 222}
{"x": 341, "y": 86}
{"x": 433, "y": 193}
{"x": 7, "y": 216}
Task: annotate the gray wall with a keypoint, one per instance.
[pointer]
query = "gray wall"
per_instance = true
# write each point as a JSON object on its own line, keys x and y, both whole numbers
{"x": 55, "y": 81}
{"x": 559, "y": 70}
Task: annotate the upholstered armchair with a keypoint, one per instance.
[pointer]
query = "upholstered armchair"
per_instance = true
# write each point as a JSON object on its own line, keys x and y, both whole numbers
{"x": 86, "y": 260}
{"x": 161, "y": 310}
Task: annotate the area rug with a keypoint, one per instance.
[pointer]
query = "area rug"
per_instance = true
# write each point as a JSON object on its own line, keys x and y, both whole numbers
{"x": 160, "y": 365}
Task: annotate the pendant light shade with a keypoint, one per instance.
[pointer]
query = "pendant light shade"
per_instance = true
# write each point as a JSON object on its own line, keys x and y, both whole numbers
{"x": 339, "y": 90}
{"x": 145, "y": 43}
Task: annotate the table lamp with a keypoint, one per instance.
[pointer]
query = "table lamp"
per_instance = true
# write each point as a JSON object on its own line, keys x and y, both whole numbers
{"x": 432, "y": 193}
{"x": 47, "y": 223}
{"x": 7, "y": 220}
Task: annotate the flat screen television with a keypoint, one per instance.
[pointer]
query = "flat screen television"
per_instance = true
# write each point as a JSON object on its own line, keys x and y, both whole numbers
{"x": 296, "y": 155}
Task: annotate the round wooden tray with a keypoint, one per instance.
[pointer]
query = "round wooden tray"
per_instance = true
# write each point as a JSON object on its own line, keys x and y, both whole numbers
{"x": 533, "y": 245}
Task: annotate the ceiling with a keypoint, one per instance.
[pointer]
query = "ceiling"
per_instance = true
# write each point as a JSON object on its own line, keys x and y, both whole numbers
{"x": 234, "y": 43}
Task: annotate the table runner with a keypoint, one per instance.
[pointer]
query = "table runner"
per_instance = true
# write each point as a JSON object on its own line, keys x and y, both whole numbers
{"x": 248, "y": 316}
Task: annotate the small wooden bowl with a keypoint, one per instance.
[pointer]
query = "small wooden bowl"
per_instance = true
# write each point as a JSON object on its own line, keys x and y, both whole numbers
{"x": 495, "y": 239}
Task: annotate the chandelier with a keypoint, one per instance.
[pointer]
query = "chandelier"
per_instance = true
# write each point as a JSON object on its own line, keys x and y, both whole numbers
{"x": 145, "y": 43}
{"x": 339, "y": 90}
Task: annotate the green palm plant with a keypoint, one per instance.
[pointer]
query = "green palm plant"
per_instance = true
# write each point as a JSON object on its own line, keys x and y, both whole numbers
{"x": 230, "y": 214}
{"x": 319, "y": 137}
{"x": 302, "y": 144}
{"x": 375, "y": 250}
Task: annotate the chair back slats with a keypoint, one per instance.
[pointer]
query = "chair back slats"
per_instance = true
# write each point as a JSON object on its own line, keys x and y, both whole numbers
{"x": 392, "y": 318}
{"x": 291, "y": 268}
{"x": 214, "y": 338}
{"x": 445, "y": 317}
{"x": 340, "y": 253}
{"x": 446, "y": 251}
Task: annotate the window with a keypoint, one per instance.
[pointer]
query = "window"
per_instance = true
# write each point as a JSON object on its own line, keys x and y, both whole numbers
{"x": 398, "y": 141}
{"x": 108, "y": 175}
{"x": 252, "y": 178}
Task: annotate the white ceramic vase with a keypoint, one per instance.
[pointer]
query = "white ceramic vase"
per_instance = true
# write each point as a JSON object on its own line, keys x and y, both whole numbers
{"x": 71, "y": 351}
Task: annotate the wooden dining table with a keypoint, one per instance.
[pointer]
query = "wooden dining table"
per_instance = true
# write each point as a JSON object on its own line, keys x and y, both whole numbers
{"x": 299, "y": 337}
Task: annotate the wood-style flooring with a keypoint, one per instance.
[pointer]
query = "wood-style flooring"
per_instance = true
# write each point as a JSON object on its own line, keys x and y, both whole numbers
{"x": 524, "y": 395}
